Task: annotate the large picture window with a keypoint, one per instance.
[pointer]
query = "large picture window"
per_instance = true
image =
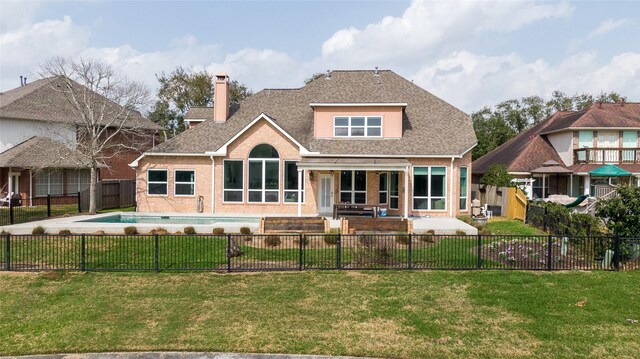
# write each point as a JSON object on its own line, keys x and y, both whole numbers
{"x": 291, "y": 182}
{"x": 353, "y": 187}
{"x": 429, "y": 188}
{"x": 463, "y": 188}
{"x": 185, "y": 183}
{"x": 232, "y": 185}
{"x": 264, "y": 174}
{"x": 48, "y": 182}
{"x": 157, "y": 182}
{"x": 357, "y": 126}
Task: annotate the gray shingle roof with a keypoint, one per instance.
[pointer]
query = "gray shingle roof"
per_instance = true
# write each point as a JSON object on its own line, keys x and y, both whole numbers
{"x": 42, "y": 152}
{"x": 431, "y": 126}
{"x": 40, "y": 101}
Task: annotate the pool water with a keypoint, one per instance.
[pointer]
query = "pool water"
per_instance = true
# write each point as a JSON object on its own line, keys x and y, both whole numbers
{"x": 171, "y": 219}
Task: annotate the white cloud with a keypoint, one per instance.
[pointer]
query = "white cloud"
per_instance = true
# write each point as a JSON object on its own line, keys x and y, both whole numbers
{"x": 470, "y": 80}
{"x": 428, "y": 29}
{"x": 606, "y": 26}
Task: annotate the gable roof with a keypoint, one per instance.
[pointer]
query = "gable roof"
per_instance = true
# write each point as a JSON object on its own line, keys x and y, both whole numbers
{"x": 42, "y": 152}
{"x": 431, "y": 126}
{"x": 531, "y": 148}
{"x": 40, "y": 101}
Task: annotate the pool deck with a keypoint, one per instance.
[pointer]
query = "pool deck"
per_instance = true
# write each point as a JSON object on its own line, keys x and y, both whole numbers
{"x": 76, "y": 224}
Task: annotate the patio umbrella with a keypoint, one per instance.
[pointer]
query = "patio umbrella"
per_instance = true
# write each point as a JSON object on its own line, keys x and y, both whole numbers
{"x": 610, "y": 170}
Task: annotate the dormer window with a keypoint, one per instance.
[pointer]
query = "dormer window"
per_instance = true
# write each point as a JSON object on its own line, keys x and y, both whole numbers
{"x": 357, "y": 126}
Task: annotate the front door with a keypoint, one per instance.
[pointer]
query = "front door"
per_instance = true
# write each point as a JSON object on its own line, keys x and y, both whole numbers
{"x": 325, "y": 193}
{"x": 14, "y": 185}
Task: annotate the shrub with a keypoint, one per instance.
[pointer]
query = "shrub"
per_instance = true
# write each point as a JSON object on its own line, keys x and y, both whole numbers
{"x": 245, "y": 230}
{"x": 429, "y": 237}
{"x": 130, "y": 230}
{"x": 159, "y": 231}
{"x": 272, "y": 240}
{"x": 485, "y": 232}
{"x": 189, "y": 230}
{"x": 235, "y": 250}
{"x": 402, "y": 239}
{"x": 371, "y": 253}
{"x": 218, "y": 231}
{"x": 330, "y": 240}
{"x": 64, "y": 232}
{"x": 431, "y": 231}
{"x": 460, "y": 232}
{"x": 621, "y": 212}
{"x": 305, "y": 240}
{"x": 38, "y": 230}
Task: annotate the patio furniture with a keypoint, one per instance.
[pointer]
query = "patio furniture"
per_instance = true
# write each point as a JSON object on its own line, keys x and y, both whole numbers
{"x": 354, "y": 210}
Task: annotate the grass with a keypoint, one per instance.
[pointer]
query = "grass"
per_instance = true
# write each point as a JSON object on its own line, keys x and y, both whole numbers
{"x": 381, "y": 314}
{"x": 24, "y": 214}
{"x": 122, "y": 209}
{"x": 505, "y": 226}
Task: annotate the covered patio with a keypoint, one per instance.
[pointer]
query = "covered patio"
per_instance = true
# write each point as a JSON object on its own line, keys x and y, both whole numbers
{"x": 366, "y": 182}
{"x": 553, "y": 170}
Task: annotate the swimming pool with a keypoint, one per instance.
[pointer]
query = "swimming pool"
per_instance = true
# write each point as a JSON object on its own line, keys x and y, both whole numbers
{"x": 118, "y": 218}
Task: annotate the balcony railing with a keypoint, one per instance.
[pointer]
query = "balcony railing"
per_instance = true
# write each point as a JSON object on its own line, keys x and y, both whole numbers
{"x": 606, "y": 155}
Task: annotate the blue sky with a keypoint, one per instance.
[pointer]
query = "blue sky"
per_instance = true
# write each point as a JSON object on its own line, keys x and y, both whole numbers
{"x": 469, "y": 53}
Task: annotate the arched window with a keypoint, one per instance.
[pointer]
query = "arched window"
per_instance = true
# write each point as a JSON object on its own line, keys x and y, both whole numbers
{"x": 264, "y": 174}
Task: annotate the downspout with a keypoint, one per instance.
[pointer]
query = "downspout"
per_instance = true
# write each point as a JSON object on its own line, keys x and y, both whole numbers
{"x": 213, "y": 184}
{"x": 452, "y": 191}
{"x": 30, "y": 188}
{"x": 406, "y": 193}
{"x": 300, "y": 172}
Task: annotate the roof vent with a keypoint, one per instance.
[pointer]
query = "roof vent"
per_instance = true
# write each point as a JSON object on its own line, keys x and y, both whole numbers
{"x": 376, "y": 72}
{"x": 328, "y": 75}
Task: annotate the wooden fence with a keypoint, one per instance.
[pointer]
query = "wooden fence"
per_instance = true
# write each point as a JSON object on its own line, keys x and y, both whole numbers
{"x": 516, "y": 204}
{"x": 112, "y": 194}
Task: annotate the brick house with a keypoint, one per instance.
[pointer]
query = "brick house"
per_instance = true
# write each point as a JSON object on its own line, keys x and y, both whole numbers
{"x": 359, "y": 137}
{"x": 39, "y": 134}
{"x": 563, "y": 154}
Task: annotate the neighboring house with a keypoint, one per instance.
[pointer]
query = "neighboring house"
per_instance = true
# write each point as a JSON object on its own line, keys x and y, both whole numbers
{"x": 565, "y": 153}
{"x": 38, "y": 137}
{"x": 360, "y": 137}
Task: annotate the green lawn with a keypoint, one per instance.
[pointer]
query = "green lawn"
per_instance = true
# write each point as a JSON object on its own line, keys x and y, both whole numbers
{"x": 24, "y": 214}
{"x": 510, "y": 226}
{"x": 373, "y": 313}
{"x": 121, "y": 209}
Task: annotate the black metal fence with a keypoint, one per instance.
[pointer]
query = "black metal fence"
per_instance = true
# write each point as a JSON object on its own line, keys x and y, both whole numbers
{"x": 37, "y": 208}
{"x": 290, "y": 252}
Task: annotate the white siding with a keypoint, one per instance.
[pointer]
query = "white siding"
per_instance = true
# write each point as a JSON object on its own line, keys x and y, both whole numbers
{"x": 562, "y": 142}
{"x": 12, "y": 132}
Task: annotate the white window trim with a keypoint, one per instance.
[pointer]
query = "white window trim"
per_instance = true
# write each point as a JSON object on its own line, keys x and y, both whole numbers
{"x": 366, "y": 126}
{"x": 390, "y": 196}
{"x": 387, "y": 192}
{"x": 243, "y": 178}
{"x": 264, "y": 171}
{"x": 429, "y": 197}
{"x": 353, "y": 187}
{"x": 466, "y": 193}
{"x": 150, "y": 182}
{"x": 176, "y": 183}
{"x": 284, "y": 178}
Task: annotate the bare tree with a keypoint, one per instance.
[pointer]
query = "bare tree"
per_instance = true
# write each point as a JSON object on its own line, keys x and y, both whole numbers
{"x": 104, "y": 107}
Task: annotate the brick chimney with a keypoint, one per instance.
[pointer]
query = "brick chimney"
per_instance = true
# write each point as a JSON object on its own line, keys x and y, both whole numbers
{"x": 221, "y": 98}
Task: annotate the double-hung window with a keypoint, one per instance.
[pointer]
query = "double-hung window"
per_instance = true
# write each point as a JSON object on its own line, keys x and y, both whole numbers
{"x": 353, "y": 187}
{"x": 429, "y": 188}
{"x": 384, "y": 188}
{"x": 185, "y": 183}
{"x": 393, "y": 190}
{"x": 157, "y": 182}
{"x": 291, "y": 182}
{"x": 78, "y": 181}
{"x": 357, "y": 126}
{"x": 264, "y": 174}
{"x": 232, "y": 185}
{"x": 463, "y": 188}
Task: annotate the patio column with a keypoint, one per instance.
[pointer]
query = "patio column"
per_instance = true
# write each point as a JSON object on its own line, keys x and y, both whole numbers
{"x": 543, "y": 185}
{"x": 406, "y": 192}
{"x": 300, "y": 172}
{"x": 587, "y": 185}
{"x": 571, "y": 185}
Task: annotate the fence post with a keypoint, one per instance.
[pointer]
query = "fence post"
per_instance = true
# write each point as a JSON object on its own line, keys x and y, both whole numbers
{"x": 79, "y": 204}
{"x": 616, "y": 254}
{"x": 479, "y": 250}
{"x": 301, "y": 238}
{"x": 11, "y": 211}
{"x": 339, "y": 249}
{"x": 48, "y": 205}
{"x": 549, "y": 251}
{"x": 228, "y": 253}
{"x": 544, "y": 220}
{"x": 7, "y": 252}
{"x": 82, "y": 253}
{"x": 155, "y": 254}
{"x": 409, "y": 253}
